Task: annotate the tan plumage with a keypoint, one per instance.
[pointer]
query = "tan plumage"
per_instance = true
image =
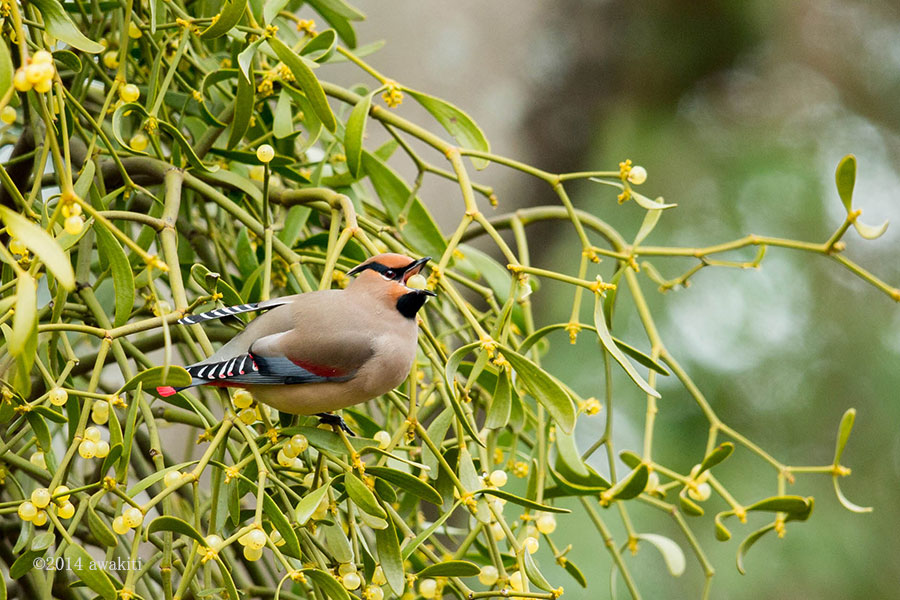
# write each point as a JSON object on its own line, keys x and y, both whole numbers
{"x": 322, "y": 351}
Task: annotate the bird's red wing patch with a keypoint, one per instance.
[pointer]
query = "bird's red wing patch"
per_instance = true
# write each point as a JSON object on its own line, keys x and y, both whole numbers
{"x": 320, "y": 370}
{"x": 165, "y": 391}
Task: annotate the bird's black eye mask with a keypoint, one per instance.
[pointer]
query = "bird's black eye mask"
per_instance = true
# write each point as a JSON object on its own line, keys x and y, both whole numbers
{"x": 393, "y": 273}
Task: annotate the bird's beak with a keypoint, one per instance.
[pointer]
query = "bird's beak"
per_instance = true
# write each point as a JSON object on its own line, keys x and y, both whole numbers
{"x": 413, "y": 269}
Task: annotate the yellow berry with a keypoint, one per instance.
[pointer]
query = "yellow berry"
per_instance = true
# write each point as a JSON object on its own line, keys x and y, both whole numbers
{"x": 43, "y": 86}
{"x": 255, "y": 539}
{"x": 252, "y": 554}
{"x": 71, "y": 209}
{"x": 257, "y": 172}
{"x": 427, "y": 588}
{"x": 61, "y": 494}
{"x": 242, "y": 399}
{"x": 351, "y": 581}
{"x": 488, "y": 575}
{"x": 308, "y": 479}
{"x": 111, "y": 59}
{"x": 373, "y": 592}
{"x": 383, "y": 438}
{"x": 37, "y": 72}
{"x": 134, "y": 32}
{"x": 378, "y": 577}
{"x": 40, "y": 518}
{"x": 172, "y": 478}
{"x": 42, "y": 57}
{"x": 284, "y": 460}
{"x": 248, "y": 416}
{"x": 102, "y": 449}
{"x": 531, "y": 544}
{"x": 87, "y": 449}
{"x": 74, "y": 225}
{"x": 129, "y": 93}
{"x": 17, "y": 246}
{"x": 8, "y": 115}
{"x": 40, "y": 497}
{"x": 27, "y": 511}
{"x": 515, "y": 581}
{"x": 499, "y": 478}
{"x": 546, "y": 524}
{"x": 700, "y": 492}
{"x": 345, "y": 568}
{"x": 265, "y": 153}
{"x": 139, "y": 142}
{"x": 37, "y": 459}
{"x": 497, "y": 532}
{"x": 637, "y": 175}
{"x": 58, "y": 396}
{"x": 20, "y": 80}
{"x": 92, "y": 433}
{"x": 66, "y": 511}
{"x": 119, "y": 525}
{"x": 417, "y": 282}
{"x": 298, "y": 443}
{"x": 133, "y": 517}
{"x": 214, "y": 541}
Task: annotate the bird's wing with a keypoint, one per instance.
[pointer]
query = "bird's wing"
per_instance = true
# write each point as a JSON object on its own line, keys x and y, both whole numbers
{"x": 227, "y": 311}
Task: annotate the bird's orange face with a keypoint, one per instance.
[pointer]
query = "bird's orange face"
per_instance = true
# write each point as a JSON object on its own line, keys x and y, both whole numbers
{"x": 386, "y": 275}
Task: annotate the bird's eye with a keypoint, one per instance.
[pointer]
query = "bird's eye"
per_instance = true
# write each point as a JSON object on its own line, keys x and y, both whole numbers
{"x": 390, "y": 273}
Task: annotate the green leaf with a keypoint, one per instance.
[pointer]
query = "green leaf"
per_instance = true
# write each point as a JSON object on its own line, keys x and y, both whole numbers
{"x": 307, "y": 81}
{"x": 436, "y": 431}
{"x": 721, "y": 452}
{"x": 42, "y": 245}
{"x": 845, "y": 502}
{"x": 356, "y": 131}
{"x": 450, "y": 376}
{"x": 100, "y": 529}
{"x": 320, "y": 48}
{"x": 42, "y": 541}
{"x": 522, "y": 501}
{"x": 501, "y": 402}
{"x": 389, "y": 557}
{"x": 282, "y": 525}
{"x": 747, "y": 543}
{"x": 573, "y": 570}
{"x": 81, "y": 562}
{"x": 534, "y": 574}
{"x": 869, "y": 232}
{"x": 607, "y": 340}
{"x": 647, "y": 225}
{"x": 652, "y": 205}
{"x": 176, "y": 525}
{"x": 308, "y": 504}
{"x": 468, "y": 476}
{"x": 340, "y": 8}
{"x": 24, "y": 563}
{"x": 408, "y": 483}
{"x": 630, "y": 458}
{"x": 245, "y": 57}
{"x": 568, "y": 453}
{"x": 786, "y": 504}
{"x": 544, "y": 388}
{"x": 227, "y": 579}
{"x": 283, "y": 117}
{"x": 845, "y": 179}
{"x": 25, "y": 317}
{"x": 6, "y": 68}
{"x": 229, "y": 16}
{"x": 112, "y": 254}
{"x": 329, "y": 585}
{"x": 271, "y": 9}
{"x": 362, "y": 496}
{"x": 632, "y": 485}
{"x": 243, "y": 109}
{"x": 689, "y": 506}
{"x": 49, "y": 413}
{"x": 671, "y": 552}
{"x": 643, "y": 359}
{"x": 420, "y": 232}
{"x": 722, "y": 532}
{"x": 410, "y": 547}
{"x": 450, "y": 568}
{"x": 40, "y": 430}
{"x": 153, "y": 377}
{"x": 60, "y": 26}
{"x": 457, "y": 123}
{"x": 844, "y": 430}
{"x": 564, "y": 487}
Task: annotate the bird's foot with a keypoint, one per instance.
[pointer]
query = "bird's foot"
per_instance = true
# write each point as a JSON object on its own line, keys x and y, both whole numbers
{"x": 335, "y": 420}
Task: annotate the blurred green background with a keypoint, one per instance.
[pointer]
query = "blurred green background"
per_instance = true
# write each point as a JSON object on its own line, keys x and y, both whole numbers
{"x": 740, "y": 113}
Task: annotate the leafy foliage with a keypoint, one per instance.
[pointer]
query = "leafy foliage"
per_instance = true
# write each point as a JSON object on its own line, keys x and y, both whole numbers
{"x": 159, "y": 205}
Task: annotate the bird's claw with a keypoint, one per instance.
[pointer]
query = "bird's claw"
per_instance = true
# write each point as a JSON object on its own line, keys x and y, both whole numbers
{"x": 333, "y": 419}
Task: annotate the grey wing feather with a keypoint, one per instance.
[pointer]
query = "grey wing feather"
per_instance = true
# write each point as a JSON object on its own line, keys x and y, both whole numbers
{"x": 233, "y": 310}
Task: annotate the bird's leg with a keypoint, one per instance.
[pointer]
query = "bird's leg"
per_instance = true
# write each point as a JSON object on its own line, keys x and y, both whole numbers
{"x": 333, "y": 419}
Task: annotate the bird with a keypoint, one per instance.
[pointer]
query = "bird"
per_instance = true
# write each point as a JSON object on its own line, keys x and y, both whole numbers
{"x": 317, "y": 352}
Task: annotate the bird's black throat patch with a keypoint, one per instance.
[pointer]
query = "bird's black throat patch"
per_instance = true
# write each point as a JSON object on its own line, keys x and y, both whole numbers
{"x": 409, "y": 304}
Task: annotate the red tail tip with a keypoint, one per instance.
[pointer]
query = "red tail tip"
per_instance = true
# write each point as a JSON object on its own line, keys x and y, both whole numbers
{"x": 165, "y": 391}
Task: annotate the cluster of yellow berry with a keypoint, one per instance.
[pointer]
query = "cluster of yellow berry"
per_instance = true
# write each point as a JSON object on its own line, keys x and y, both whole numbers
{"x": 350, "y": 579}
{"x": 132, "y": 517}
{"x": 37, "y": 74}
{"x": 247, "y": 412}
{"x": 697, "y": 487}
{"x": 253, "y": 542}
{"x": 71, "y": 211}
{"x": 288, "y": 453}
{"x": 93, "y": 445}
{"x": 8, "y": 115}
{"x": 35, "y": 510}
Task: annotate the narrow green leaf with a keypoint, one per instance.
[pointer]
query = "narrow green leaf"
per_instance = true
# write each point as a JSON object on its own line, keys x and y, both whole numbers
{"x": 787, "y": 504}
{"x": 845, "y": 502}
{"x": 227, "y": 579}
{"x": 568, "y": 453}
{"x": 329, "y": 585}
{"x": 501, "y": 402}
{"x": 647, "y": 225}
{"x": 457, "y": 123}
{"x": 320, "y": 48}
{"x": 153, "y": 377}
{"x": 243, "y": 109}
{"x": 308, "y": 504}
{"x": 229, "y": 16}
{"x": 748, "y": 543}
{"x": 42, "y": 541}
{"x": 340, "y": 8}
{"x": 6, "y": 68}
{"x": 337, "y": 543}
{"x": 39, "y": 429}
{"x": 69, "y": 59}
{"x": 25, "y": 317}
{"x": 49, "y": 413}
{"x": 112, "y": 254}
{"x": 688, "y": 506}
{"x": 544, "y": 388}
{"x": 450, "y": 568}
{"x": 630, "y": 458}
{"x": 613, "y": 349}
{"x": 632, "y": 485}
{"x": 564, "y": 487}
{"x": 307, "y": 81}
{"x": 24, "y": 563}
{"x": 408, "y": 483}
{"x": 362, "y": 496}
{"x": 356, "y": 131}
{"x": 436, "y": 431}
{"x": 100, "y": 529}
{"x": 721, "y": 452}
{"x": 154, "y": 477}
{"x": 60, "y": 26}
{"x": 283, "y": 117}
{"x": 534, "y": 574}
{"x": 176, "y": 525}
{"x": 410, "y": 547}
{"x": 450, "y": 375}
{"x": 671, "y": 552}
{"x": 869, "y": 232}
{"x": 652, "y": 205}
{"x": 573, "y": 570}
{"x": 845, "y": 179}
{"x": 522, "y": 501}
{"x": 388, "y": 549}
{"x": 643, "y": 359}
{"x": 245, "y": 57}
{"x": 271, "y": 9}
{"x": 81, "y": 562}
{"x": 283, "y": 526}
{"x": 722, "y": 532}
{"x": 41, "y": 244}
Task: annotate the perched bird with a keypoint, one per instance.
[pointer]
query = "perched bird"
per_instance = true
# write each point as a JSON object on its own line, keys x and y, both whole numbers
{"x": 325, "y": 350}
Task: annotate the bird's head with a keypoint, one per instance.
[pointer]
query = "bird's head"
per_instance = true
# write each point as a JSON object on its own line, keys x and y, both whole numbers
{"x": 386, "y": 276}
